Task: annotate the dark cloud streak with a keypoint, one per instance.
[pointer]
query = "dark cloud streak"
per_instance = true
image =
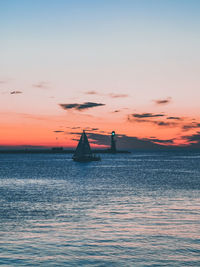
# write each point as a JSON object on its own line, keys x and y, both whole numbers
{"x": 16, "y": 92}
{"x": 146, "y": 115}
{"x": 80, "y": 107}
{"x": 163, "y": 101}
{"x": 149, "y": 118}
{"x": 193, "y": 125}
{"x": 128, "y": 142}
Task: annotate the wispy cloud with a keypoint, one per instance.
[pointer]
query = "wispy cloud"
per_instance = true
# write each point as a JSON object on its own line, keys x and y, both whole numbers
{"x": 75, "y": 139}
{"x": 112, "y": 95}
{"x": 75, "y": 128}
{"x": 156, "y": 122}
{"x": 58, "y": 131}
{"x": 164, "y": 123}
{"x": 41, "y": 85}
{"x": 174, "y": 118}
{"x": 91, "y": 129}
{"x": 160, "y": 141}
{"x": 117, "y": 95}
{"x": 163, "y": 101}
{"x": 150, "y": 118}
{"x": 91, "y": 92}
{"x": 15, "y": 92}
{"x": 80, "y": 107}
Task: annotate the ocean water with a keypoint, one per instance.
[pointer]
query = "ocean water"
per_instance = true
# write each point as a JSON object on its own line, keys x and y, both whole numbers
{"x": 139, "y": 209}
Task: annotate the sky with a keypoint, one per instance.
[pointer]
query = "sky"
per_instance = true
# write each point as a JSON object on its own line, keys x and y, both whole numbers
{"x": 126, "y": 65}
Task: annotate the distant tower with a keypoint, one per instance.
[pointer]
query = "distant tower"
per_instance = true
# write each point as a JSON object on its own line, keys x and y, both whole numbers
{"x": 113, "y": 143}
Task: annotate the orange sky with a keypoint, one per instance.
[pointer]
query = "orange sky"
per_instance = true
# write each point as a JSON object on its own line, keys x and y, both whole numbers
{"x": 59, "y": 130}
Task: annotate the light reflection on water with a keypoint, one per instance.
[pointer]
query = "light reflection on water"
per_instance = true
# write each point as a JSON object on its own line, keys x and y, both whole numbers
{"x": 140, "y": 209}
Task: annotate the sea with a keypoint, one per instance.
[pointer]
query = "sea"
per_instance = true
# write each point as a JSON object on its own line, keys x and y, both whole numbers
{"x": 138, "y": 209}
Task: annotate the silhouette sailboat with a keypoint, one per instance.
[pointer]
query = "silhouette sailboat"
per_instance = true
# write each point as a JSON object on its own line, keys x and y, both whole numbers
{"x": 83, "y": 151}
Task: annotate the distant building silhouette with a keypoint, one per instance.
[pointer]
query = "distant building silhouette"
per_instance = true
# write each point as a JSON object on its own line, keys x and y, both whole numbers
{"x": 113, "y": 143}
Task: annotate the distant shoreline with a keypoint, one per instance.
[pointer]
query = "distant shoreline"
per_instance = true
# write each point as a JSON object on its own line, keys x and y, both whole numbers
{"x": 54, "y": 151}
{"x": 95, "y": 151}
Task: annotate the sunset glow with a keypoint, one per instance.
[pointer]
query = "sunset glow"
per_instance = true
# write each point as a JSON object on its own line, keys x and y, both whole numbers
{"x": 128, "y": 66}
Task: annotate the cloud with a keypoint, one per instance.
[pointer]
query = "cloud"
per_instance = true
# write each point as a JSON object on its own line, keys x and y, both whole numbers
{"x": 15, "y": 92}
{"x": 91, "y": 92}
{"x": 148, "y": 118}
{"x": 160, "y": 141}
{"x": 112, "y": 95}
{"x": 41, "y": 85}
{"x": 194, "y": 140}
{"x": 193, "y": 125}
{"x": 129, "y": 143}
{"x": 146, "y": 115}
{"x": 58, "y": 131}
{"x": 117, "y": 95}
{"x": 136, "y": 143}
{"x": 164, "y": 123}
{"x": 75, "y": 139}
{"x": 91, "y": 129}
{"x": 73, "y": 128}
{"x": 80, "y": 107}
{"x": 171, "y": 121}
{"x": 163, "y": 101}
{"x": 173, "y": 118}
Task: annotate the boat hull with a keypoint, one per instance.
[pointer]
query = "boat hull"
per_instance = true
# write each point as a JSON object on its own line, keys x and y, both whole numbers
{"x": 86, "y": 159}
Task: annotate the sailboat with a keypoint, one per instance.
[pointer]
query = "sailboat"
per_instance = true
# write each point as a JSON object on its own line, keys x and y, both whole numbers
{"x": 83, "y": 151}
